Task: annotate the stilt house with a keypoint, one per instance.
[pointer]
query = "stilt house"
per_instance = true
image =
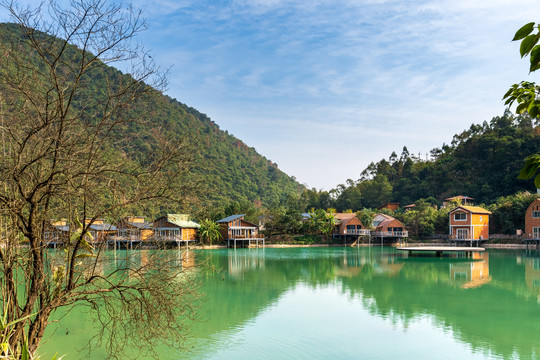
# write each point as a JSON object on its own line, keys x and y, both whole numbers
{"x": 134, "y": 228}
{"x": 175, "y": 227}
{"x": 99, "y": 229}
{"x": 469, "y": 223}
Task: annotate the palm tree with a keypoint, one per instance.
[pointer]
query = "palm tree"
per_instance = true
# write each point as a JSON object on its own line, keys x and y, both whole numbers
{"x": 209, "y": 231}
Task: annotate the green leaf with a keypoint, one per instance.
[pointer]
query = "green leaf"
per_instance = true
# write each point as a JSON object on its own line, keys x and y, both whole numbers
{"x": 533, "y": 110}
{"x": 535, "y": 58}
{"x": 524, "y": 31}
{"x": 528, "y": 43}
{"x": 537, "y": 181}
{"x": 25, "y": 354}
{"x": 532, "y": 164}
{"x": 522, "y": 107}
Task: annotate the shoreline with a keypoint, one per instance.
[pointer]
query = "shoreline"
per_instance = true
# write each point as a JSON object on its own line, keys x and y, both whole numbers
{"x": 284, "y": 246}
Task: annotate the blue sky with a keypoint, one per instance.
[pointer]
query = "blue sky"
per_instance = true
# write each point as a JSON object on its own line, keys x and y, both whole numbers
{"x": 323, "y": 88}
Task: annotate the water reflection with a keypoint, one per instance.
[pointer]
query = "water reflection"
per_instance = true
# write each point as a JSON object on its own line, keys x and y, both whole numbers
{"x": 487, "y": 304}
{"x": 471, "y": 274}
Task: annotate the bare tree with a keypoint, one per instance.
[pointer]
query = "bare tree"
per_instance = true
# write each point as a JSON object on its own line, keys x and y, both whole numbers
{"x": 59, "y": 161}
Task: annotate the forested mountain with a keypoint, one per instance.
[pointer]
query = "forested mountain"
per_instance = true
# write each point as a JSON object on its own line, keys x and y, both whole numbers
{"x": 223, "y": 167}
{"x": 482, "y": 162}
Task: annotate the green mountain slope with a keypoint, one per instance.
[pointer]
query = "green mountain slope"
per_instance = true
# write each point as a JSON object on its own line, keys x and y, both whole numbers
{"x": 482, "y": 162}
{"x": 225, "y": 168}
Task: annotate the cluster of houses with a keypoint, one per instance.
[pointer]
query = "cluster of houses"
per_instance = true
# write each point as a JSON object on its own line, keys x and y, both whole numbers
{"x": 468, "y": 223}
{"x": 167, "y": 229}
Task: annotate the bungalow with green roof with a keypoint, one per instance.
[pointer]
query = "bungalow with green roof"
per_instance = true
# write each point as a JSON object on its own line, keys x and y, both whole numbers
{"x": 175, "y": 227}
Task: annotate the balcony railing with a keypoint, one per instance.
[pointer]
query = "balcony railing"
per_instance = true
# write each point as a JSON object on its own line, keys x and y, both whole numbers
{"x": 391, "y": 233}
{"x": 466, "y": 237}
{"x": 357, "y": 232}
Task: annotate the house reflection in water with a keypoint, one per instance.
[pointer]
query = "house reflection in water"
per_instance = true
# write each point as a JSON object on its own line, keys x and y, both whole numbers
{"x": 532, "y": 275}
{"x": 354, "y": 262}
{"x": 471, "y": 274}
{"x": 241, "y": 261}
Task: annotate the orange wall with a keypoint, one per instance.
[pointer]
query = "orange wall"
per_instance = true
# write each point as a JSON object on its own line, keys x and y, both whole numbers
{"x": 479, "y": 222}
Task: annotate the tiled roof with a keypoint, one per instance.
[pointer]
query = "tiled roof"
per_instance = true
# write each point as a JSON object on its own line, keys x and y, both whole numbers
{"x": 342, "y": 216}
{"x": 143, "y": 225}
{"x": 231, "y": 218}
{"x": 182, "y": 220}
{"x": 102, "y": 227}
{"x": 472, "y": 209}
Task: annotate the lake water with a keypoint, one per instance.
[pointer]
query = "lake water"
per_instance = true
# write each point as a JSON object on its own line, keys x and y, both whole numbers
{"x": 352, "y": 303}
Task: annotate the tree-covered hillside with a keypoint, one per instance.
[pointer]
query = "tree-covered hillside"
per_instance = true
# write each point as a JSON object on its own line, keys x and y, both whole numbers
{"x": 223, "y": 167}
{"x": 482, "y": 162}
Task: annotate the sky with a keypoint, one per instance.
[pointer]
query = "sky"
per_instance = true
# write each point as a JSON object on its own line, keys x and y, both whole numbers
{"x": 323, "y": 88}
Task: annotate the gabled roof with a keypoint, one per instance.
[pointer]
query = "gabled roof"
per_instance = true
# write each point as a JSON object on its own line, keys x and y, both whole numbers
{"x": 471, "y": 209}
{"x": 343, "y": 216}
{"x": 231, "y": 218}
{"x": 387, "y": 222}
{"x": 347, "y": 220}
{"x": 103, "y": 227}
{"x": 181, "y": 220}
{"x": 143, "y": 226}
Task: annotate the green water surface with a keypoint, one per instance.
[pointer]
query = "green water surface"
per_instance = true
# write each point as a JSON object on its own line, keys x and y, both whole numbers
{"x": 349, "y": 303}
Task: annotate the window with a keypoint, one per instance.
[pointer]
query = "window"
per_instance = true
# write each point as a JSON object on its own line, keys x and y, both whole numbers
{"x": 460, "y": 216}
{"x": 536, "y": 233}
{"x": 536, "y": 214}
{"x": 462, "y": 233}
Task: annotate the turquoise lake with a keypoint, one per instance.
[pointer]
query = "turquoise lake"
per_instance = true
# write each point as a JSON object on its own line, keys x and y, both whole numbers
{"x": 350, "y": 303}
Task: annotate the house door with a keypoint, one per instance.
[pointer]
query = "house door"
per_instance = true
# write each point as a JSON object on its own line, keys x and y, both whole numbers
{"x": 462, "y": 233}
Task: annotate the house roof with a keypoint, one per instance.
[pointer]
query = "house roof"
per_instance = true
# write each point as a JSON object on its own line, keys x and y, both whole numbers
{"x": 181, "y": 220}
{"x": 141, "y": 225}
{"x": 347, "y": 220}
{"x": 343, "y": 216}
{"x": 103, "y": 227}
{"x": 64, "y": 228}
{"x": 472, "y": 209}
{"x": 387, "y": 222}
{"x": 231, "y": 218}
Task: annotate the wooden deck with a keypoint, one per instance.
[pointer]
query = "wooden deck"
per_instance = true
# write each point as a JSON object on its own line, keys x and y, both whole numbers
{"x": 439, "y": 250}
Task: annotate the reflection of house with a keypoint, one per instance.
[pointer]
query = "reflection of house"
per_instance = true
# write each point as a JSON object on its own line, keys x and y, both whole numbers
{"x": 134, "y": 228}
{"x": 99, "y": 229}
{"x": 390, "y": 206}
{"x": 473, "y": 274}
{"x": 463, "y": 200}
{"x": 234, "y": 227}
{"x": 532, "y": 275}
{"x": 388, "y": 226}
{"x": 56, "y": 233}
{"x": 348, "y": 225}
{"x": 532, "y": 221}
{"x": 469, "y": 223}
{"x": 175, "y": 227}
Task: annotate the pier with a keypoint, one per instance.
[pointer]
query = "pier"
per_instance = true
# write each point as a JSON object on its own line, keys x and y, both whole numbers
{"x": 439, "y": 250}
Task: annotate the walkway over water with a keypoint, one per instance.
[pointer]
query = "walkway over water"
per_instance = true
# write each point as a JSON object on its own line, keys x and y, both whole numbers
{"x": 439, "y": 250}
